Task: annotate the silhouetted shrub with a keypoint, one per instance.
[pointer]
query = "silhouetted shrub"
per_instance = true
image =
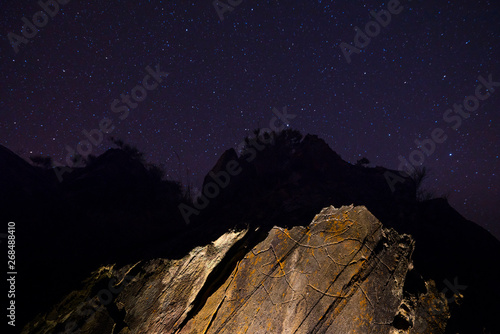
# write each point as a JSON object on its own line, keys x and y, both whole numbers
{"x": 78, "y": 160}
{"x": 278, "y": 144}
{"x": 156, "y": 172}
{"x": 132, "y": 151}
{"x": 363, "y": 162}
{"x": 44, "y": 162}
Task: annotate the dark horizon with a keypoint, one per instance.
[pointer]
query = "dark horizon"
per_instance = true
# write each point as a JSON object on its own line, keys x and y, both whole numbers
{"x": 195, "y": 191}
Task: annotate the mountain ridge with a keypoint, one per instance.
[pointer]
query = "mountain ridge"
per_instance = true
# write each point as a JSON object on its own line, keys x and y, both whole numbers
{"x": 98, "y": 221}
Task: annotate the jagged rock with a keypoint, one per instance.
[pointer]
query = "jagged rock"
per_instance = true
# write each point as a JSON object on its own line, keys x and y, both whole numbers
{"x": 343, "y": 273}
{"x": 115, "y": 210}
{"x": 159, "y": 296}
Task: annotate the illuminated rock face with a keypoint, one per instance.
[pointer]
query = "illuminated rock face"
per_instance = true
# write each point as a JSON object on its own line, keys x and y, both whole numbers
{"x": 344, "y": 273}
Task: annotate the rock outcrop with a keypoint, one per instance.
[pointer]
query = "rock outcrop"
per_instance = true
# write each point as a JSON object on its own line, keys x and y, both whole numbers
{"x": 343, "y": 273}
{"x": 119, "y": 210}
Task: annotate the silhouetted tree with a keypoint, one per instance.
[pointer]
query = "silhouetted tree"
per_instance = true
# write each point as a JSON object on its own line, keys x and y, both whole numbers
{"x": 156, "y": 172}
{"x": 419, "y": 175}
{"x": 289, "y": 138}
{"x": 78, "y": 160}
{"x": 362, "y": 162}
{"x": 44, "y": 162}
{"x": 91, "y": 159}
{"x": 280, "y": 143}
{"x": 132, "y": 151}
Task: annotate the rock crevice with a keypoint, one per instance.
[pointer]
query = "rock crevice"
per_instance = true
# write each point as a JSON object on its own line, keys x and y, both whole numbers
{"x": 344, "y": 272}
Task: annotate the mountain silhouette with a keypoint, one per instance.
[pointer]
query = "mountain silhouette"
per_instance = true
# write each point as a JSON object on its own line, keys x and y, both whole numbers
{"x": 118, "y": 209}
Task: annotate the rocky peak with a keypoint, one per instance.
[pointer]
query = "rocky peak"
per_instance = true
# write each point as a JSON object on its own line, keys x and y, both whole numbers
{"x": 343, "y": 272}
{"x": 116, "y": 211}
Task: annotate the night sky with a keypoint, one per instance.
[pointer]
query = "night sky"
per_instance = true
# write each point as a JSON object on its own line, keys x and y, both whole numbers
{"x": 226, "y": 76}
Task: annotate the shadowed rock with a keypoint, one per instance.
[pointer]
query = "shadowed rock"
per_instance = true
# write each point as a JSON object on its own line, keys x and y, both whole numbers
{"x": 343, "y": 273}
{"x": 118, "y": 210}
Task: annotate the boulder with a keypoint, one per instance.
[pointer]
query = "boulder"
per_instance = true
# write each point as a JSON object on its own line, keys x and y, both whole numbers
{"x": 343, "y": 273}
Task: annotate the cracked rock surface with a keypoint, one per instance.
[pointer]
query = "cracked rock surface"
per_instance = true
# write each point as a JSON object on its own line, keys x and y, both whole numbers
{"x": 343, "y": 273}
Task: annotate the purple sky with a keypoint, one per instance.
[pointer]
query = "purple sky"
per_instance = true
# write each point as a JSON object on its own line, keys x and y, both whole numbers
{"x": 226, "y": 76}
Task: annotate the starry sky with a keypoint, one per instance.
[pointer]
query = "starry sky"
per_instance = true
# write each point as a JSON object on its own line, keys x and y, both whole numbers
{"x": 226, "y": 75}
